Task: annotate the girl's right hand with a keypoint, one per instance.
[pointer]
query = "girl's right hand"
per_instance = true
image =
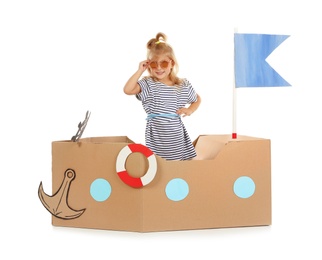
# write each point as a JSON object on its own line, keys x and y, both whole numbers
{"x": 144, "y": 65}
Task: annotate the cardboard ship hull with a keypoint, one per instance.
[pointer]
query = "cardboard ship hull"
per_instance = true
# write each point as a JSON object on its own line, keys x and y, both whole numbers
{"x": 210, "y": 202}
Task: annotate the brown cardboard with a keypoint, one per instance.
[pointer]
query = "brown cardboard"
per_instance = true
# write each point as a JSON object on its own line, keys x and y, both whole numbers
{"x": 210, "y": 203}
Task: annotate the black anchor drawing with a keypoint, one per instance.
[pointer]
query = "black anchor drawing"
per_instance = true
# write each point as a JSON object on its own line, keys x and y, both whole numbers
{"x": 57, "y": 204}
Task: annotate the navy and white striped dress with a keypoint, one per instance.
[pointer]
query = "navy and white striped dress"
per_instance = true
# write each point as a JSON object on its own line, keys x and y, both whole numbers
{"x": 165, "y": 133}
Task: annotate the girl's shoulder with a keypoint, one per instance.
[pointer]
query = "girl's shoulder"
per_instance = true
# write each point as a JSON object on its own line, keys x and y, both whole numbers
{"x": 148, "y": 80}
{"x": 185, "y": 82}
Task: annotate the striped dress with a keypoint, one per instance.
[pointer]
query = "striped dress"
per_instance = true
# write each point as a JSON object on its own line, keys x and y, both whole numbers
{"x": 165, "y": 133}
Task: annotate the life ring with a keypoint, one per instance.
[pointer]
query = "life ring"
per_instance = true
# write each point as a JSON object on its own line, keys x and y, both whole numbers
{"x": 124, "y": 175}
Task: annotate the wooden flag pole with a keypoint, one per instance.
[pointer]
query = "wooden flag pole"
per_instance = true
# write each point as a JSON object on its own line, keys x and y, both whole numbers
{"x": 234, "y": 132}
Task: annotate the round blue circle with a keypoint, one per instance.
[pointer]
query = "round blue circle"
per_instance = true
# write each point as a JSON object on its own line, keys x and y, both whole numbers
{"x": 100, "y": 190}
{"x": 177, "y": 189}
{"x": 244, "y": 187}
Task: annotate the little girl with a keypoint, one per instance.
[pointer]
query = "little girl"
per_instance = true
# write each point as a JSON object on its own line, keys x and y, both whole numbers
{"x": 164, "y": 96}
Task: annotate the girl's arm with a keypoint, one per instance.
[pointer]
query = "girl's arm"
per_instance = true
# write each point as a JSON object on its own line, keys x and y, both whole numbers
{"x": 132, "y": 87}
{"x": 187, "y": 111}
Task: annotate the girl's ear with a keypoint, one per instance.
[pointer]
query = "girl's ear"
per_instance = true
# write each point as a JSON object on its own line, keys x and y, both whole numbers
{"x": 172, "y": 62}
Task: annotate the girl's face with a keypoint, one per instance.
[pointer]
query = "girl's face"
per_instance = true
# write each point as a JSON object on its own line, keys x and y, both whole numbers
{"x": 160, "y": 67}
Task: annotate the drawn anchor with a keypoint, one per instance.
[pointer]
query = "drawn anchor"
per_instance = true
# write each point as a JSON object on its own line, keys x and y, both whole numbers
{"x": 57, "y": 204}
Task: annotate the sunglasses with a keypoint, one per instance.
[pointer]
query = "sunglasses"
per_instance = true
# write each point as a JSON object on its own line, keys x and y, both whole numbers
{"x": 163, "y": 64}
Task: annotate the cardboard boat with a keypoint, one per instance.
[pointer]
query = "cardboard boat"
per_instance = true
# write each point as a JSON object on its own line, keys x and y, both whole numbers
{"x": 228, "y": 186}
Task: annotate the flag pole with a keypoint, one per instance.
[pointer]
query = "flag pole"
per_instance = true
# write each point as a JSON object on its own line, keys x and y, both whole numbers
{"x": 234, "y": 132}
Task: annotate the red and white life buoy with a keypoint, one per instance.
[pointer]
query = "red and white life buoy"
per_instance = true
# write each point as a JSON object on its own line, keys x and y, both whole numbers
{"x": 124, "y": 175}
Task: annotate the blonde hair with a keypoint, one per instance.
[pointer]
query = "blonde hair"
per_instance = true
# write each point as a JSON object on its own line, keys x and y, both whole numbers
{"x": 158, "y": 46}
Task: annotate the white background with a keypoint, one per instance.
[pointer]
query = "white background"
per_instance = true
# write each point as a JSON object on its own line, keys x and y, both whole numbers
{"x": 59, "y": 59}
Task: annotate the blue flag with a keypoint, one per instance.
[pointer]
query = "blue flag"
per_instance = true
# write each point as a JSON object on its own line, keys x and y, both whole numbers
{"x": 251, "y": 68}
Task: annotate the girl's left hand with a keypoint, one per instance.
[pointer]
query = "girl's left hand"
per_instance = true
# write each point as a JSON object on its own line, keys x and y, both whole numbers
{"x": 184, "y": 111}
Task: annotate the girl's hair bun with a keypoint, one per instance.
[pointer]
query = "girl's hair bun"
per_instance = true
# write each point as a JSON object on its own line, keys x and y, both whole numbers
{"x": 159, "y": 38}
